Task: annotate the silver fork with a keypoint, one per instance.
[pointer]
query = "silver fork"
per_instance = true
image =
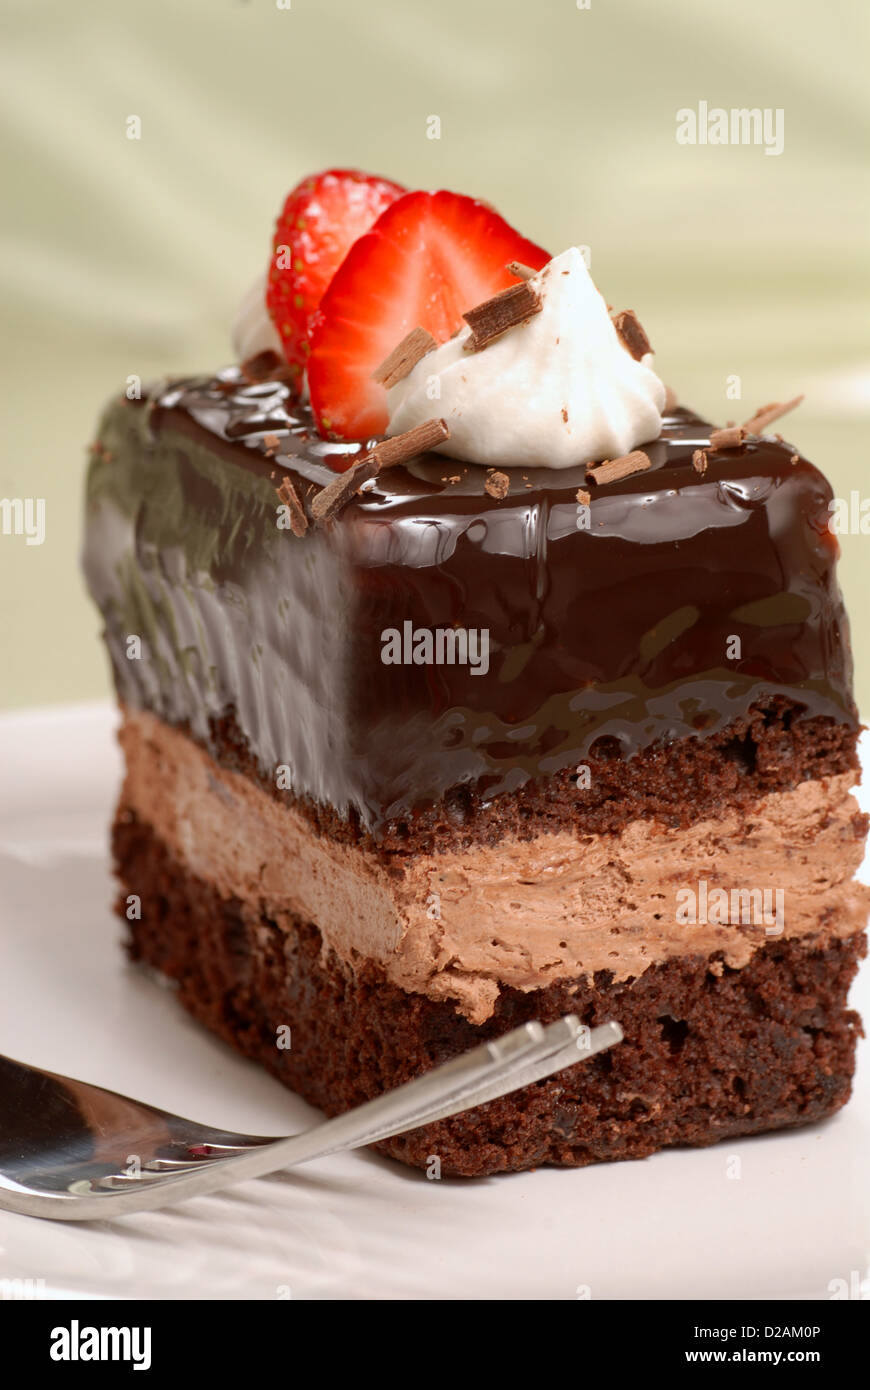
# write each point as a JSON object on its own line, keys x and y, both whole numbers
{"x": 77, "y": 1152}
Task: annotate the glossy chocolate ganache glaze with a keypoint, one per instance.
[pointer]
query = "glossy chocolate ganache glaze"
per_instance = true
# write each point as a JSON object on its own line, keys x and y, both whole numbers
{"x": 667, "y": 610}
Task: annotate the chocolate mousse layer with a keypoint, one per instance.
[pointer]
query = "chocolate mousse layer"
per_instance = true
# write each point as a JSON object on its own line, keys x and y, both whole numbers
{"x": 461, "y": 924}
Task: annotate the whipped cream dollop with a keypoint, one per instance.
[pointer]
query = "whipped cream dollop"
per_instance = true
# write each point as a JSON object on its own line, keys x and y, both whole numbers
{"x": 253, "y": 330}
{"x": 556, "y": 391}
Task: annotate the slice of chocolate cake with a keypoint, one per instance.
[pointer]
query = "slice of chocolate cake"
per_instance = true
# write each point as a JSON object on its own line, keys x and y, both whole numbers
{"x": 422, "y": 745}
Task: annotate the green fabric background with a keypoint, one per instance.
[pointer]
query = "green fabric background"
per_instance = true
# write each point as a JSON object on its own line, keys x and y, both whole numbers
{"x": 123, "y": 256}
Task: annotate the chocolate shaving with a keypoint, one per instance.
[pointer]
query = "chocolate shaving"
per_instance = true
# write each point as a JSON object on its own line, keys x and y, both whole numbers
{"x": 338, "y": 493}
{"x": 384, "y": 455}
{"x": 583, "y": 497}
{"x": 404, "y": 357}
{"x": 260, "y": 366}
{"x": 272, "y": 443}
{"x": 497, "y": 484}
{"x": 671, "y": 401}
{"x": 768, "y": 413}
{"x": 290, "y": 499}
{"x": 495, "y": 316}
{"x": 613, "y": 469}
{"x": 268, "y": 366}
{"x": 627, "y": 325}
{"x": 522, "y": 272}
{"x": 699, "y": 461}
{"x": 730, "y": 438}
{"x": 408, "y": 445}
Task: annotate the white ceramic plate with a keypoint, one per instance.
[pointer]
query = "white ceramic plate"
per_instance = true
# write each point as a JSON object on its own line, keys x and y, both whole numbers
{"x": 355, "y": 1225}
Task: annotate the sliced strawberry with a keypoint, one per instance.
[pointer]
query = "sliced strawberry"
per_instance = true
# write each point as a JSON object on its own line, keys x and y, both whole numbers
{"x": 320, "y": 221}
{"x": 428, "y": 257}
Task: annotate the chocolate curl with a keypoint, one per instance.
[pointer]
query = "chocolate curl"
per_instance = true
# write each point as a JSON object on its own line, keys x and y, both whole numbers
{"x": 336, "y": 495}
{"x": 403, "y": 447}
{"x": 634, "y": 340}
{"x": 613, "y": 469}
{"x": 390, "y": 452}
{"x": 290, "y": 499}
{"x": 768, "y": 413}
{"x": 730, "y": 438}
{"x": 404, "y": 357}
{"x": 522, "y": 272}
{"x": 495, "y": 316}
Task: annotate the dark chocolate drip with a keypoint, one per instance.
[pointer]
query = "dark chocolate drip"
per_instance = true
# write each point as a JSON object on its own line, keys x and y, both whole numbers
{"x": 689, "y": 597}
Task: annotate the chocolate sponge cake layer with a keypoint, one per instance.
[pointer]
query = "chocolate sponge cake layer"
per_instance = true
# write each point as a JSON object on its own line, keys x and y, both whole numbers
{"x": 774, "y": 746}
{"x": 710, "y": 1052}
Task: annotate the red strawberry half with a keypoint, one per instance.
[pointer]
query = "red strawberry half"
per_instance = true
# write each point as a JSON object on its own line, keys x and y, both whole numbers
{"x": 320, "y": 221}
{"x": 429, "y": 257}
